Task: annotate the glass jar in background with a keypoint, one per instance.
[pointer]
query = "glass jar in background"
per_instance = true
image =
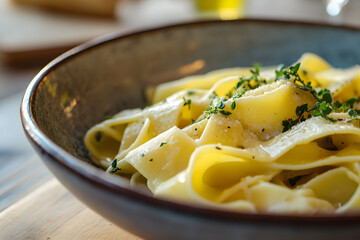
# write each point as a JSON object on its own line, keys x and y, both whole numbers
{"x": 225, "y": 9}
{"x": 334, "y": 7}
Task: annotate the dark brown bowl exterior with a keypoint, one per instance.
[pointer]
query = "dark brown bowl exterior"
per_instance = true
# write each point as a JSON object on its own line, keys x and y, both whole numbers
{"x": 102, "y": 77}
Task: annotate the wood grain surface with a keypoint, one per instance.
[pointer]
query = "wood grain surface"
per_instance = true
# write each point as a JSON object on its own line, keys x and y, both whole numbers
{"x": 30, "y": 35}
{"x": 33, "y": 204}
{"x": 51, "y": 212}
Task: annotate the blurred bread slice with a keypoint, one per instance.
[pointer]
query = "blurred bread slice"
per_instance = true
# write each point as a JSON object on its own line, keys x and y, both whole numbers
{"x": 104, "y": 8}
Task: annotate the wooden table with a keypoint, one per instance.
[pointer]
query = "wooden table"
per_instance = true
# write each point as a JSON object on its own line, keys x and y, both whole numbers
{"x": 51, "y": 212}
{"x": 33, "y": 204}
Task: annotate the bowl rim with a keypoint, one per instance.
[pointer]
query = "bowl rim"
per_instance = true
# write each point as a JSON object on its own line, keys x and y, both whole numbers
{"x": 112, "y": 183}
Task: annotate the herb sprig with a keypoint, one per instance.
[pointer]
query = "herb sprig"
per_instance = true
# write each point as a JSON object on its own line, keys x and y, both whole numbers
{"x": 300, "y": 111}
{"x": 252, "y": 82}
{"x": 187, "y": 102}
{"x": 244, "y": 84}
{"x": 114, "y": 167}
{"x": 354, "y": 115}
{"x": 217, "y": 106}
{"x": 324, "y": 105}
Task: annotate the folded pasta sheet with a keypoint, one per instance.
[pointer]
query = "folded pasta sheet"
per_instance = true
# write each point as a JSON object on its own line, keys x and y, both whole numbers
{"x": 280, "y": 140}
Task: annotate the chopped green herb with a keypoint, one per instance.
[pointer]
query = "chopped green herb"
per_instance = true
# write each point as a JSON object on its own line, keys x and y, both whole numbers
{"x": 354, "y": 115}
{"x": 233, "y": 105}
{"x": 325, "y": 95}
{"x": 217, "y": 105}
{"x": 279, "y": 72}
{"x": 287, "y": 124}
{"x": 187, "y": 102}
{"x": 324, "y": 105}
{"x": 189, "y": 93}
{"x": 256, "y": 70}
{"x": 322, "y": 109}
{"x": 252, "y": 82}
{"x": 114, "y": 163}
{"x": 213, "y": 95}
{"x": 201, "y": 119}
{"x": 300, "y": 110}
{"x": 162, "y": 144}
{"x": 142, "y": 155}
{"x": 238, "y": 95}
{"x": 221, "y": 104}
{"x": 337, "y": 105}
{"x": 229, "y": 94}
{"x": 210, "y": 110}
{"x": 348, "y": 104}
{"x": 114, "y": 167}
{"x": 223, "y": 112}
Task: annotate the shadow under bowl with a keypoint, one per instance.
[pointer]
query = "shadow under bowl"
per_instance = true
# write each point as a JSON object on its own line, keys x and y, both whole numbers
{"x": 100, "y": 78}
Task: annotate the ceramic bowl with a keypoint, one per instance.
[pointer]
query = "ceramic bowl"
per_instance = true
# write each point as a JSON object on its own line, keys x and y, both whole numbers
{"x": 100, "y": 78}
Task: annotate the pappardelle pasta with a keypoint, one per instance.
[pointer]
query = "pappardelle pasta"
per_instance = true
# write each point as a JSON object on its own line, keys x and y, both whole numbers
{"x": 279, "y": 140}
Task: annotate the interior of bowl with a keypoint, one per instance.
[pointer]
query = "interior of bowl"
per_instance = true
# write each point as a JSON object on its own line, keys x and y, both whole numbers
{"x": 84, "y": 87}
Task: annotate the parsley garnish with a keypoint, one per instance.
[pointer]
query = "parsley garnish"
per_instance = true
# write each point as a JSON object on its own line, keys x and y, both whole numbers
{"x": 345, "y": 106}
{"x": 291, "y": 74}
{"x": 189, "y": 93}
{"x": 218, "y": 104}
{"x": 324, "y": 102}
{"x": 229, "y": 94}
{"x": 221, "y": 104}
{"x": 354, "y": 115}
{"x": 233, "y": 105}
{"x": 322, "y": 109}
{"x": 187, "y": 102}
{"x": 223, "y": 112}
{"x": 211, "y": 110}
{"x": 252, "y": 82}
{"x": 217, "y": 107}
{"x": 114, "y": 167}
{"x": 300, "y": 111}
{"x": 238, "y": 94}
{"x": 213, "y": 95}
{"x": 162, "y": 144}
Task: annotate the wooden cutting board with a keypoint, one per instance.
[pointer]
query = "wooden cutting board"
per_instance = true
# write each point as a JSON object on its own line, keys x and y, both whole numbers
{"x": 51, "y": 212}
{"x": 29, "y": 34}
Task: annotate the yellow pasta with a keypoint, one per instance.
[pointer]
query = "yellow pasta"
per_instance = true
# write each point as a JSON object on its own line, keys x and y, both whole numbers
{"x": 280, "y": 140}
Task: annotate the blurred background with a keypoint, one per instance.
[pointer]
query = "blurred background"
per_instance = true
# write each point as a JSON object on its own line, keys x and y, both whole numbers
{"x": 33, "y": 32}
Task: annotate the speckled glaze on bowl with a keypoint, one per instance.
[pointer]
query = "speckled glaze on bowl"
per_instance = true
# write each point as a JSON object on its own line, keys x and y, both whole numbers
{"x": 102, "y": 77}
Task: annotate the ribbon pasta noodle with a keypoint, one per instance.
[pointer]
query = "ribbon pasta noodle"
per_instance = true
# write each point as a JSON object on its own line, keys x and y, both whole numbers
{"x": 280, "y": 140}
